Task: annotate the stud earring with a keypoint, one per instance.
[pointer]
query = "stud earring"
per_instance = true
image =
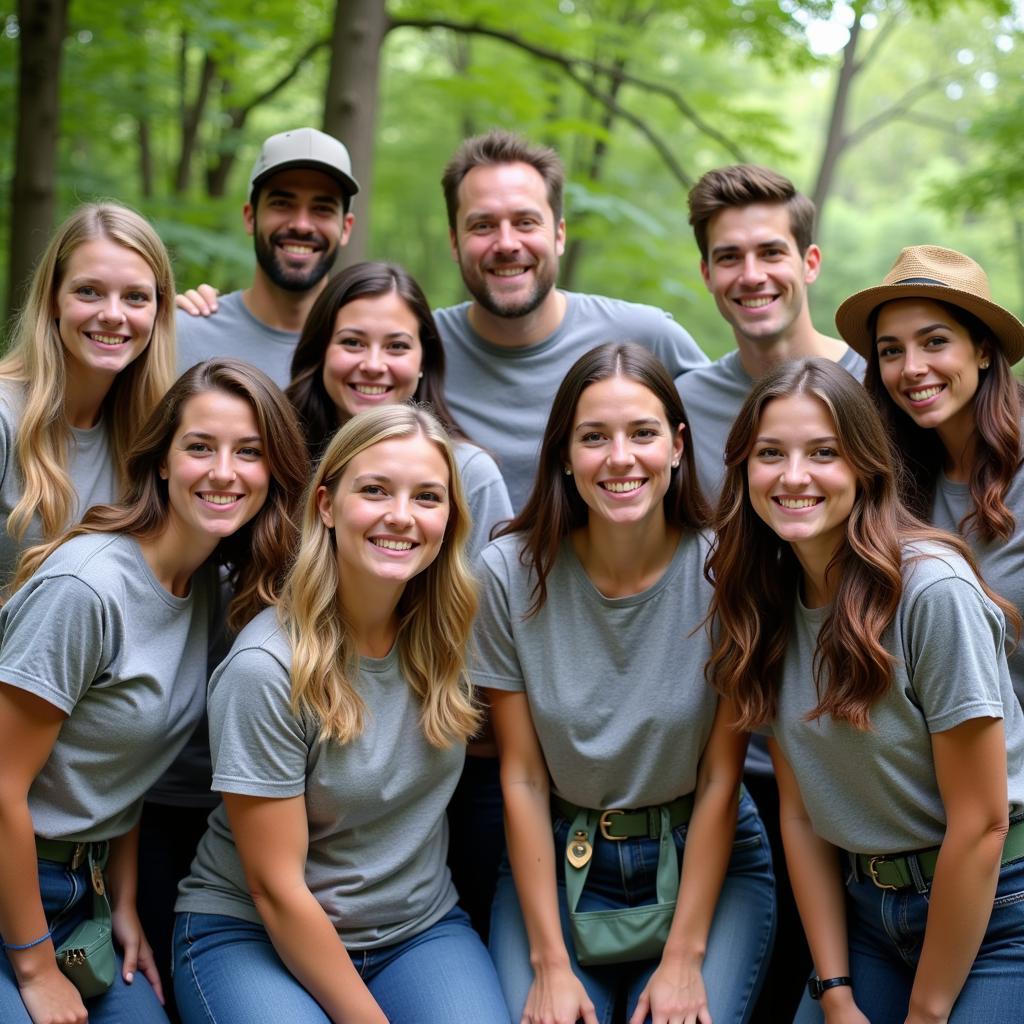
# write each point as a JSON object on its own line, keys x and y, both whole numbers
{"x": 568, "y": 470}
{"x": 675, "y": 463}
{"x": 984, "y": 366}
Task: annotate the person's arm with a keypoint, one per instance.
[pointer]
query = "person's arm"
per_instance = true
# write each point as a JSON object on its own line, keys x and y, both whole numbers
{"x": 676, "y": 989}
{"x": 123, "y": 878}
{"x": 817, "y": 883}
{"x": 272, "y": 837}
{"x": 28, "y": 730}
{"x": 199, "y": 301}
{"x": 556, "y": 993}
{"x": 970, "y": 767}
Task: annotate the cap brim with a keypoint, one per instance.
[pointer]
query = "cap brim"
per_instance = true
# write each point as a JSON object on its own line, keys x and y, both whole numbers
{"x": 853, "y": 315}
{"x": 348, "y": 184}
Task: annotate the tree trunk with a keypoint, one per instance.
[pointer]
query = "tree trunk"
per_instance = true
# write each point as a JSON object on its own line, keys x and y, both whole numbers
{"x": 350, "y": 106}
{"x": 190, "y": 125}
{"x": 42, "y": 24}
{"x": 835, "y": 140}
{"x": 145, "y": 158}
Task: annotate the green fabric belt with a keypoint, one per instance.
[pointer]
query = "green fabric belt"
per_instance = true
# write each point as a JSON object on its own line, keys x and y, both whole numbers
{"x": 894, "y": 872}
{"x": 66, "y": 851}
{"x": 631, "y": 824}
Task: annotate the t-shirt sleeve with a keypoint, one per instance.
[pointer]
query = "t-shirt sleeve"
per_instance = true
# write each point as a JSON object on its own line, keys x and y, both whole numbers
{"x": 494, "y": 661}
{"x": 955, "y": 654}
{"x": 53, "y": 640}
{"x": 259, "y": 747}
{"x": 674, "y": 346}
{"x": 487, "y": 498}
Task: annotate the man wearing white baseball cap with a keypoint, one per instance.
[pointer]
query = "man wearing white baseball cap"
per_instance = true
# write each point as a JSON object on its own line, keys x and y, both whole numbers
{"x": 298, "y": 215}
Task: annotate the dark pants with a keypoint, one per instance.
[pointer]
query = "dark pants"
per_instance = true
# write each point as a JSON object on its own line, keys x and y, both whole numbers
{"x": 790, "y": 965}
{"x": 167, "y": 843}
{"x": 476, "y": 838}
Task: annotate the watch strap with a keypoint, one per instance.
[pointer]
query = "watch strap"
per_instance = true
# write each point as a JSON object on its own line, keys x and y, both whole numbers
{"x": 816, "y": 987}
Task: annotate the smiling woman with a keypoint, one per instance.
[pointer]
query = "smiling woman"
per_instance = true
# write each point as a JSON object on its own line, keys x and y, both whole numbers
{"x": 95, "y": 343}
{"x": 103, "y": 652}
{"x": 616, "y": 755}
{"x": 868, "y": 647}
{"x": 338, "y": 724}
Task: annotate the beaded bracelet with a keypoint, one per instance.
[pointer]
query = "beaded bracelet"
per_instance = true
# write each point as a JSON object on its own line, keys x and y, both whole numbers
{"x": 28, "y": 945}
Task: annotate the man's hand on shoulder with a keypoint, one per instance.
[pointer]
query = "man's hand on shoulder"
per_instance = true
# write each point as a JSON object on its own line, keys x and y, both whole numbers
{"x": 201, "y": 301}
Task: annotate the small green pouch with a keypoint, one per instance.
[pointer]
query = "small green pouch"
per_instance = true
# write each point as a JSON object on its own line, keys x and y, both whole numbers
{"x": 87, "y": 957}
{"x": 631, "y": 933}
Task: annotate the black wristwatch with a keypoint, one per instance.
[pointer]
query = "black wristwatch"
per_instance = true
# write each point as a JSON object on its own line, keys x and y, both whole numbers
{"x": 817, "y": 987}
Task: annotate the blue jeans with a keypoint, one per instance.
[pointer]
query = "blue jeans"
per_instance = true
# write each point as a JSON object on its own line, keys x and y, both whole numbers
{"x": 886, "y": 929}
{"x": 623, "y": 874}
{"x": 226, "y": 971}
{"x": 67, "y": 900}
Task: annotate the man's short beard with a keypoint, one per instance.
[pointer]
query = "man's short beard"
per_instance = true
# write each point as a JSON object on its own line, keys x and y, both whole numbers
{"x": 291, "y": 281}
{"x": 478, "y": 289}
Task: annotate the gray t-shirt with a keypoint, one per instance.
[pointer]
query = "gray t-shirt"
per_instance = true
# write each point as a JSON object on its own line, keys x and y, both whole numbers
{"x": 234, "y": 333}
{"x": 875, "y": 792}
{"x": 615, "y": 685}
{"x": 90, "y": 466}
{"x": 378, "y": 836}
{"x": 712, "y": 396}
{"x": 502, "y": 396}
{"x": 1001, "y": 561}
{"x": 486, "y": 494}
{"x": 95, "y": 634}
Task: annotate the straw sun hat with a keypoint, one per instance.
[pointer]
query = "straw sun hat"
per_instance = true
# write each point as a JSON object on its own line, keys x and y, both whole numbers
{"x": 931, "y": 272}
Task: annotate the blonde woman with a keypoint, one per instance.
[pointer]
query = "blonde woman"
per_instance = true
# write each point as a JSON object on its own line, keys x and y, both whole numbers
{"x": 93, "y": 352}
{"x": 338, "y": 725}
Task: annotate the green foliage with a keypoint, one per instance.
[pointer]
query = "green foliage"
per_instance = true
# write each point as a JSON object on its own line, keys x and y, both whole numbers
{"x": 705, "y": 82}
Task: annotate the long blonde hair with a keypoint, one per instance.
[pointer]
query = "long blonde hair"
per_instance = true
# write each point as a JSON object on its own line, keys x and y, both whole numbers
{"x": 436, "y": 608}
{"x": 37, "y": 363}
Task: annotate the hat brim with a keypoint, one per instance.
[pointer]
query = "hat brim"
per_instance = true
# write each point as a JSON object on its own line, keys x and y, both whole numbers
{"x": 349, "y": 185}
{"x": 854, "y": 313}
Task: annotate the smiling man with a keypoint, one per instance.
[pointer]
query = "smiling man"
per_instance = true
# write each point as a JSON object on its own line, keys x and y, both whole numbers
{"x": 298, "y": 215}
{"x": 754, "y": 233}
{"x": 509, "y": 347}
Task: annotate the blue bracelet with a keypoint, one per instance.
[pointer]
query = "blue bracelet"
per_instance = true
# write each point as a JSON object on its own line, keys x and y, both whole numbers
{"x": 27, "y": 945}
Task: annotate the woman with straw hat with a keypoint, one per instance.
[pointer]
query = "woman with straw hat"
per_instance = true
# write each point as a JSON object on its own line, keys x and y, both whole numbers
{"x": 939, "y": 353}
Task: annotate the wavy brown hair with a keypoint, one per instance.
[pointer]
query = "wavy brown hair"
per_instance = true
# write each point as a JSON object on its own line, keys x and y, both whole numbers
{"x": 997, "y": 418}
{"x": 37, "y": 362}
{"x": 436, "y": 608}
{"x": 317, "y": 413}
{"x": 257, "y": 555}
{"x": 756, "y": 575}
{"x": 555, "y": 508}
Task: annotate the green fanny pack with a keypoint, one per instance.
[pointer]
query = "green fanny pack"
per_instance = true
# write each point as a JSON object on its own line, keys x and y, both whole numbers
{"x": 629, "y": 933}
{"x": 86, "y": 957}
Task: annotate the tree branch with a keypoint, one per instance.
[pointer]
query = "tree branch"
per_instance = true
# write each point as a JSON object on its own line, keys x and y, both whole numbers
{"x": 881, "y": 37}
{"x": 571, "y": 66}
{"x": 900, "y": 108}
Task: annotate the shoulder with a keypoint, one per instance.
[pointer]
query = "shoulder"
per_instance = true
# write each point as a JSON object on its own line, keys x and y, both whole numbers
{"x": 475, "y": 465}
{"x": 97, "y": 559}
{"x": 501, "y": 558}
{"x": 715, "y": 375}
{"x": 854, "y": 363}
{"x": 263, "y": 639}
{"x": 229, "y": 307}
{"x": 937, "y": 581}
{"x": 636, "y": 315}
{"x": 452, "y": 318}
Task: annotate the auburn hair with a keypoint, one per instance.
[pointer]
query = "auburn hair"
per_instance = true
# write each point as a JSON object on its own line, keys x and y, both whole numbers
{"x": 756, "y": 575}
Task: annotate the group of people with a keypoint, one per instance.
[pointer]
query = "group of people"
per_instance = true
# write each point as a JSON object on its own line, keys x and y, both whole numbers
{"x": 511, "y": 663}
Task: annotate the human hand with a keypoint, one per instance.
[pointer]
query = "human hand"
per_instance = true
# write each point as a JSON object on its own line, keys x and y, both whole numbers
{"x": 138, "y": 954}
{"x": 557, "y": 996}
{"x": 51, "y": 999}
{"x": 201, "y": 301}
{"x": 674, "y": 995}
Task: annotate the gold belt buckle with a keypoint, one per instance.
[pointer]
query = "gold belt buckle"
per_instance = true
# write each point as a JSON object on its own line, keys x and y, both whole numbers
{"x": 79, "y": 855}
{"x": 873, "y": 872}
{"x": 604, "y": 824}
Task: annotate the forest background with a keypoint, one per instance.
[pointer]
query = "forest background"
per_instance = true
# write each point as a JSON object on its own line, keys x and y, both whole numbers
{"x": 904, "y": 119}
